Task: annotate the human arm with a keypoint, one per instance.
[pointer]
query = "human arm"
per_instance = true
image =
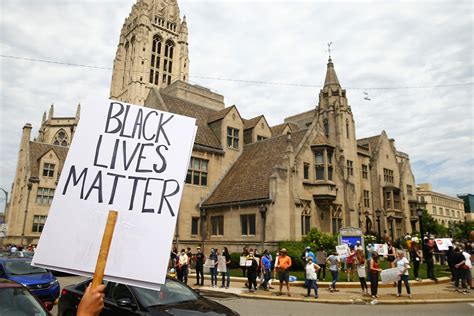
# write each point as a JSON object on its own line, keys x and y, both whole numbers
{"x": 92, "y": 302}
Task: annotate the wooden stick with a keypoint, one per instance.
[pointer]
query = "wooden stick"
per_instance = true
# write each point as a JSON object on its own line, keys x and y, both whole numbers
{"x": 104, "y": 249}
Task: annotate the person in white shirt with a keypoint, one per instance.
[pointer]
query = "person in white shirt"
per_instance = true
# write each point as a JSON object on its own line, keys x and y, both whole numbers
{"x": 469, "y": 264}
{"x": 311, "y": 277}
{"x": 403, "y": 266}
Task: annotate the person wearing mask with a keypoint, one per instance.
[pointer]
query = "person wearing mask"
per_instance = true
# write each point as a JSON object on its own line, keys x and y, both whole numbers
{"x": 213, "y": 269}
{"x": 416, "y": 256}
{"x": 374, "y": 274}
{"x": 391, "y": 251}
{"x": 310, "y": 273}
{"x": 358, "y": 246}
{"x": 305, "y": 256}
{"x": 199, "y": 259}
{"x": 226, "y": 275}
{"x": 428, "y": 257}
{"x": 245, "y": 253}
{"x": 283, "y": 267}
{"x": 321, "y": 257}
{"x": 267, "y": 269}
{"x": 334, "y": 267}
{"x": 460, "y": 269}
{"x": 252, "y": 269}
{"x": 182, "y": 266}
{"x": 350, "y": 264}
{"x": 468, "y": 268}
{"x": 402, "y": 266}
{"x": 361, "y": 270}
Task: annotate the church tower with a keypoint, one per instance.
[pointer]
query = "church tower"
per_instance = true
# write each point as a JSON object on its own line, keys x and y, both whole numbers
{"x": 338, "y": 124}
{"x": 152, "y": 50}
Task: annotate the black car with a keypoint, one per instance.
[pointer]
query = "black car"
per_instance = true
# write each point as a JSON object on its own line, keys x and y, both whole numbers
{"x": 174, "y": 298}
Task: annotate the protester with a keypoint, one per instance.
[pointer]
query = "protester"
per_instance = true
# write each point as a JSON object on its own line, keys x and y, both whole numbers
{"x": 449, "y": 257}
{"x": 252, "y": 273}
{"x": 284, "y": 264}
{"x": 428, "y": 257}
{"x": 358, "y": 246}
{"x": 213, "y": 269}
{"x": 199, "y": 260}
{"x": 267, "y": 269}
{"x": 369, "y": 250}
{"x": 305, "y": 256}
{"x": 350, "y": 264}
{"x": 460, "y": 270}
{"x": 275, "y": 275}
{"x": 226, "y": 275}
{"x": 361, "y": 271}
{"x": 245, "y": 253}
{"x": 334, "y": 267}
{"x": 391, "y": 254}
{"x": 321, "y": 257}
{"x": 182, "y": 267}
{"x": 374, "y": 274}
{"x": 13, "y": 249}
{"x": 310, "y": 274}
{"x": 92, "y": 302}
{"x": 468, "y": 267}
{"x": 402, "y": 266}
{"x": 416, "y": 256}
{"x": 174, "y": 256}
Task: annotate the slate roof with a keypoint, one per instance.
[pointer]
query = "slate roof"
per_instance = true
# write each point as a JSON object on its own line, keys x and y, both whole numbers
{"x": 251, "y": 122}
{"x": 248, "y": 179}
{"x": 219, "y": 115}
{"x": 38, "y": 150}
{"x": 278, "y": 129}
{"x": 205, "y": 136}
{"x": 371, "y": 141}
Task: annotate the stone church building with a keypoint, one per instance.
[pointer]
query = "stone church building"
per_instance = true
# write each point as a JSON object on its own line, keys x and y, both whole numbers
{"x": 248, "y": 183}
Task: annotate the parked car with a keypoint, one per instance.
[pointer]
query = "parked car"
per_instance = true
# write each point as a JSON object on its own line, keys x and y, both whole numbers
{"x": 174, "y": 298}
{"x": 23, "y": 254}
{"x": 39, "y": 281}
{"x": 15, "y": 299}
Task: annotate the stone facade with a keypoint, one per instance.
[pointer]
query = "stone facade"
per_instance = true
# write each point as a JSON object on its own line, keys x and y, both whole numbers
{"x": 443, "y": 208}
{"x": 152, "y": 50}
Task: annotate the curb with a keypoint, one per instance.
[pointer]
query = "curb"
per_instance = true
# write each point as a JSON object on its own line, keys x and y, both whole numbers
{"x": 350, "y": 301}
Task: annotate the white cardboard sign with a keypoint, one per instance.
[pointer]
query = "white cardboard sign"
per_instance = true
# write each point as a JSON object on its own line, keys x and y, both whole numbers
{"x": 381, "y": 249}
{"x": 221, "y": 264}
{"x": 390, "y": 275}
{"x": 126, "y": 158}
{"x": 343, "y": 251}
{"x": 443, "y": 243}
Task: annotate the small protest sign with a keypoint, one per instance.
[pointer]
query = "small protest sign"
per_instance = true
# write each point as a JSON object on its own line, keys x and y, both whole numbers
{"x": 209, "y": 263}
{"x": 242, "y": 261}
{"x": 381, "y": 249}
{"x": 389, "y": 275}
{"x": 443, "y": 243}
{"x": 343, "y": 251}
{"x": 221, "y": 266}
{"x": 126, "y": 158}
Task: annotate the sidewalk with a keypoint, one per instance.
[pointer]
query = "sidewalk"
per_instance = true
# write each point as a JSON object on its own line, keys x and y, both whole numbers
{"x": 423, "y": 292}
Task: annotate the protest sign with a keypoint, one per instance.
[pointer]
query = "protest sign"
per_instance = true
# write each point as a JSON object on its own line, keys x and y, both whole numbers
{"x": 381, "y": 249}
{"x": 242, "y": 261}
{"x": 389, "y": 275}
{"x": 221, "y": 266}
{"x": 209, "y": 263}
{"x": 443, "y": 243}
{"x": 343, "y": 251}
{"x": 126, "y": 158}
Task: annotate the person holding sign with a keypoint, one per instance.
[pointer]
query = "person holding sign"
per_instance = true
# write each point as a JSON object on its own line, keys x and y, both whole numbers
{"x": 402, "y": 266}
{"x": 92, "y": 301}
{"x": 213, "y": 269}
{"x": 334, "y": 267}
{"x": 361, "y": 271}
{"x": 282, "y": 267}
{"x": 311, "y": 278}
{"x": 226, "y": 274}
{"x": 182, "y": 266}
{"x": 252, "y": 268}
{"x": 199, "y": 259}
{"x": 374, "y": 274}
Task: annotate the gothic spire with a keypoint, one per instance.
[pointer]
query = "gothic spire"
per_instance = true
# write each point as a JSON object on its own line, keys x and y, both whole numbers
{"x": 331, "y": 77}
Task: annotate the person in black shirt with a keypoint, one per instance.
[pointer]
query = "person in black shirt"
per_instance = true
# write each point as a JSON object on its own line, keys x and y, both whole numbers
{"x": 226, "y": 275}
{"x": 460, "y": 270}
{"x": 252, "y": 273}
{"x": 199, "y": 259}
{"x": 428, "y": 257}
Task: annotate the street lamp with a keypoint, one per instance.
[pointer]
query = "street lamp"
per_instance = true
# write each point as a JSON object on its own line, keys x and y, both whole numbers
{"x": 263, "y": 212}
{"x": 419, "y": 212}
{"x": 378, "y": 213}
{"x": 29, "y": 185}
{"x": 390, "y": 220}
{"x": 367, "y": 222}
{"x": 360, "y": 214}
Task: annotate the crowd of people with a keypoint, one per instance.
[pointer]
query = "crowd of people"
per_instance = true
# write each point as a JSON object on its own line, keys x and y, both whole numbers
{"x": 261, "y": 269}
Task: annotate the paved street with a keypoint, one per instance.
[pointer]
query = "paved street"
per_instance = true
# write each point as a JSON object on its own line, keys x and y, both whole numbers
{"x": 250, "y": 307}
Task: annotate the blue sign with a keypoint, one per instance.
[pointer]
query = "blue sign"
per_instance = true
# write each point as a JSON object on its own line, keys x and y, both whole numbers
{"x": 351, "y": 240}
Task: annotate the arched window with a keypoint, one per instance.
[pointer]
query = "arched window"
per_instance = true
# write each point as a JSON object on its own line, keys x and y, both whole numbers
{"x": 326, "y": 128}
{"x": 168, "y": 62}
{"x": 155, "y": 60}
{"x": 125, "y": 66}
{"x": 61, "y": 138}
{"x": 347, "y": 128}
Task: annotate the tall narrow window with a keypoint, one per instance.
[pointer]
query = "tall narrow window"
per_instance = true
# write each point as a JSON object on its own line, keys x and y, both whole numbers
{"x": 319, "y": 156}
{"x": 306, "y": 171}
{"x": 195, "y": 226}
{"x": 350, "y": 168}
{"x": 232, "y": 138}
{"x": 217, "y": 225}
{"x": 197, "y": 171}
{"x": 366, "y": 198}
{"x": 365, "y": 172}
{"x": 247, "y": 222}
{"x": 329, "y": 155}
{"x": 326, "y": 128}
{"x": 125, "y": 66}
{"x": 155, "y": 60}
{"x": 347, "y": 128}
{"x": 388, "y": 199}
{"x": 409, "y": 190}
{"x": 168, "y": 62}
{"x": 306, "y": 217}
{"x": 38, "y": 223}
{"x": 61, "y": 138}
{"x": 388, "y": 175}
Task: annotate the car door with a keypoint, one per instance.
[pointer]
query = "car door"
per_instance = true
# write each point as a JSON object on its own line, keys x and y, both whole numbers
{"x": 119, "y": 300}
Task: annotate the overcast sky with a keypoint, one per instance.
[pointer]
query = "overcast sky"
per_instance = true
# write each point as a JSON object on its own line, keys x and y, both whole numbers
{"x": 376, "y": 44}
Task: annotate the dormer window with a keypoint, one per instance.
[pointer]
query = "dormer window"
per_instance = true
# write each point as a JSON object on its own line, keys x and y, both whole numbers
{"x": 232, "y": 138}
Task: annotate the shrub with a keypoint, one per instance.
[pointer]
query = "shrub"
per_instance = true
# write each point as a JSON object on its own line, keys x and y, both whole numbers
{"x": 318, "y": 240}
{"x": 235, "y": 260}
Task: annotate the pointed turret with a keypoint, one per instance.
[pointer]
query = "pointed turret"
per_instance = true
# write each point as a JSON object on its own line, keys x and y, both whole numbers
{"x": 51, "y": 112}
{"x": 331, "y": 77}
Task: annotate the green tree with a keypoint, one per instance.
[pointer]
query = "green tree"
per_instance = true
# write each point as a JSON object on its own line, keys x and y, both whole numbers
{"x": 318, "y": 240}
{"x": 430, "y": 225}
{"x": 463, "y": 230}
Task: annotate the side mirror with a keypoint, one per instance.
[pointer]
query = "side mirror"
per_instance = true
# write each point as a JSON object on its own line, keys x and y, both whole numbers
{"x": 48, "y": 305}
{"x": 126, "y": 303}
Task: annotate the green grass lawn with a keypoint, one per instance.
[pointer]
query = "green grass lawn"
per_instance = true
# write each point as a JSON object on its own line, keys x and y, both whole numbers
{"x": 440, "y": 271}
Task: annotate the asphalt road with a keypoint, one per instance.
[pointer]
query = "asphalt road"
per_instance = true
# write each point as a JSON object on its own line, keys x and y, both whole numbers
{"x": 250, "y": 307}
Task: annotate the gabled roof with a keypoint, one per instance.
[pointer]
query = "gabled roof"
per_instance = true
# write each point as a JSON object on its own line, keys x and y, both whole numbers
{"x": 251, "y": 123}
{"x": 278, "y": 129}
{"x": 219, "y": 115}
{"x": 248, "y": 179}
{"x": 371, "y": 141}
{"x": 38, "y": 150}
{"x": 205, "y": 136}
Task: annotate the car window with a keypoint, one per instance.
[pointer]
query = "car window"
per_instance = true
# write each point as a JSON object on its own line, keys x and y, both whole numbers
{"x": 22, "y": 267}
{"x": 18, "y": 301}
{"x": 121, "y": 291}
{"x": 171, "y": 292}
